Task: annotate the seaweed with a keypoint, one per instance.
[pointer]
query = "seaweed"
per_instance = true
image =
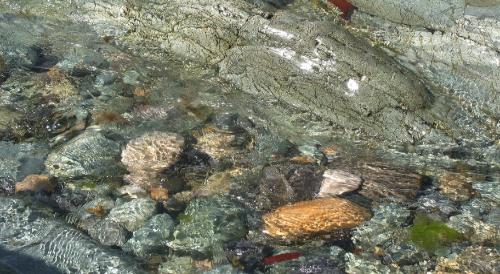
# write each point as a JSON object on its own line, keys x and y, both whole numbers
{"x": 432, "y": 235}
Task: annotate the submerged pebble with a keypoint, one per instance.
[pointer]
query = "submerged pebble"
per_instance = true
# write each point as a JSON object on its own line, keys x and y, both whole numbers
{"x": 207, "y": 223}
{"x": 309, "y": 218}
{"x": 148, "y": 155}
{"x": 134, "y": 214}
{"x": 152, "y": 238}
{"x": 336, "y": 182}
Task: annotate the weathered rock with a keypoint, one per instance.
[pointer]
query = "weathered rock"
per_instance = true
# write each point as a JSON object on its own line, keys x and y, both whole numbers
{"x": 148, "y": 155}
{"x": 381, "y": 181}
{"x": 218, "y": 183}
{"x": 176, "y": 265}
{"x": 108, "y": 233}
{"x": 36, "y": 183}
{"x": 425, "y": 13}
{"x": 18, "y": 161}
{"x": 465, "y": 86}
{"x": 152, "y": 237}
{"x": 309, "y": 218}
{"x": 283, "y": 184}
{"x": 455, "y": 186}
{"x": 474, "y": 259}
{"x": 32, "y": 232}
{"x": 336, "y": 182}
{"x": 382, "y": 228}
{"x": 90, "y": 153}
{"x": 207, "y": 223}
{"x": 134, "y": 214}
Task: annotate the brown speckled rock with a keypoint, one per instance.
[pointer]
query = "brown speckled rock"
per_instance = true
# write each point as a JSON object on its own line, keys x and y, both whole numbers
{"x": 455, "y": 186}
{"x": 35, "y": 183}
{"x": 148, "y": 155}
{"x": 315, "y": 217}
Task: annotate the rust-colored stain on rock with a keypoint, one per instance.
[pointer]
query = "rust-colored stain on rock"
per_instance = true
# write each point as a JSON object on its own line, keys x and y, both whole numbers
{"x": 319, "y": 216}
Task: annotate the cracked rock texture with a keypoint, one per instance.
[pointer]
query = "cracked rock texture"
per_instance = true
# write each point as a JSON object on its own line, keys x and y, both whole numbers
{"x": 310, "y": 63}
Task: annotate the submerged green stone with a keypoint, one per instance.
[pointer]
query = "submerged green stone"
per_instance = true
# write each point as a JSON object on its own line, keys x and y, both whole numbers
{"x": 432, "y": 235}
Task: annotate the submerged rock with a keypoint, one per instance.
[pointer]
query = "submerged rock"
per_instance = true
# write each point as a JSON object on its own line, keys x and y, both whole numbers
{"x": 36, "y": 183}
{"x": 208, "y": 223}
{"x": 315, "y": 217}
{"x": 134, "y": 214}
{"x": 108, "y": 233}
{"x": 381, "y": 181}
{"x": 152, "y": 238}
{"x": 90, "y": 153}
{"x": 474, "y": 259}
{"x": 336, "y": 182}
{"x": 455, "y": 186}
{"x": 148, "y": 155}
{"x": 29, "y": 231}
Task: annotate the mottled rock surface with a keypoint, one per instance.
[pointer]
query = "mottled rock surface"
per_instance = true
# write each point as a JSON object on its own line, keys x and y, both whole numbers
{"x": 148, "y": 155}
{"x": 207, "y": 224}
{"x": 309, "y": 218}
{"x": 152, "y": 238}
{"x": 134, "y": 214}
{"x": 336, "y": 182}
{"x": 37, "y": 234}
{"x": 90, "y": 153}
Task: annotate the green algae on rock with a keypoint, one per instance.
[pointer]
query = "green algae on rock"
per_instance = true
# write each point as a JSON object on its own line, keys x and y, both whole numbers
{"x": 432, "y": 235}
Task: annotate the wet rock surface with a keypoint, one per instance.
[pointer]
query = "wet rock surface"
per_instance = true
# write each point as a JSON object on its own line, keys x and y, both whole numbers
{"x": 315, "y": 217}
{"x": 152, "y": 237}
{"x": 28, "y": 231}
{"x": 207, "y": 224}
{"x": 90, "y": 153}
{"x": 278, "y": 103}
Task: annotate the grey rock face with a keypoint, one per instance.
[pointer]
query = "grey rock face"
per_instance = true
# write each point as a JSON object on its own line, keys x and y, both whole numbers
{"x": 427, "y": 13}
{"x": 108, "y": 233}
{"x": 134, "y": 214}
{"x": 20, "y": 38}
{"x": 91, "y": 153}
{"x": 152, "y": 237}
{"x": 27, "y": 231}
{"x": 208, "y": 223}
{"x": 460, "y": 62}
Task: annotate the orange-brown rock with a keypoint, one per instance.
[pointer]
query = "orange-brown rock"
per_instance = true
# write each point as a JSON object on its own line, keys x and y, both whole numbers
{"x": 455, "y": 186}
{"x": 35, "y": 183}
{"x": 309, "y": 218}
{"x": 158, "y": 193}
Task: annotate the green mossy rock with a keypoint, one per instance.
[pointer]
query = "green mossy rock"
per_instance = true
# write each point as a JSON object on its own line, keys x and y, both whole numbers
{"x": 432, "y": 235}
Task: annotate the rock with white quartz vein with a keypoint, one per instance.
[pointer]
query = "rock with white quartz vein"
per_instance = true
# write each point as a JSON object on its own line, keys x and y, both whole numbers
{"x": 336, "y": 182}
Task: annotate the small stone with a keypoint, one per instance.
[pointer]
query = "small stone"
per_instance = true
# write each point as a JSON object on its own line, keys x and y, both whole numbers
{"x": 336, "y": 182}
{"x": 308, "y": 218}
{"x": 219, "y": 144}
{"x": 455, "y": 186}
{"x": 207, "y": 223}
{"x": 150, "y": 154}
{"x": 158, "y": 193}
{"x": 218, "y": 183}
{"x": 36, "y": 183}
{"x": 134, "y": 214}
{"x": 152, "y": 237}
{"x": 132, "y": 191}
{"x": 108, "y": 233}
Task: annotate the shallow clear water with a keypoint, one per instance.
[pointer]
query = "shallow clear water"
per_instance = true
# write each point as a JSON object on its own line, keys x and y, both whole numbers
{"x": 72, "y": 99}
